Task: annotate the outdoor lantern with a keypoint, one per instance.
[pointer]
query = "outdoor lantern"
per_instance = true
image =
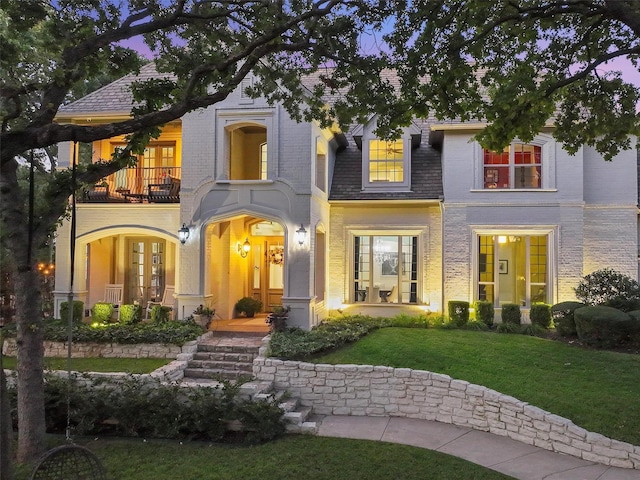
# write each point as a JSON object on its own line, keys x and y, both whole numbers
{"x": 301, "y": 235}
{"x": 244, "y": 249}
{"x": 183, "y": 234}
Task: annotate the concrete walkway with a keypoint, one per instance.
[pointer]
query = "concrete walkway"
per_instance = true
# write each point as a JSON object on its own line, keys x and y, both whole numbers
{"x": 502, "y": 454}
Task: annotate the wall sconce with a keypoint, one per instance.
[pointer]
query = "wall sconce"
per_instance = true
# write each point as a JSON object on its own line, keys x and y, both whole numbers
{"x": 244, "y": 249}
{"x": 183, "y": 234}
{"x": 301, "y": 235}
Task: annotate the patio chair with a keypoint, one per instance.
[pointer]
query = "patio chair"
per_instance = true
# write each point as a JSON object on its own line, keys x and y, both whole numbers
{"x": 113, "y": 294}
{"x": 167, "y": 301}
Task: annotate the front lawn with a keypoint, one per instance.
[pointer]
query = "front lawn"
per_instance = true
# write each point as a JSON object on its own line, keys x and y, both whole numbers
{"x": 127, "y": 365}
{"x": 290, "y": 457}
{"x": 597, "y": 390}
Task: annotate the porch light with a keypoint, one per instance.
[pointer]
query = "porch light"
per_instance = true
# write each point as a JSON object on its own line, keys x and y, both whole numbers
{"x": 301, "y": 235}
{"x": 244, "y": 249}
{"x": 502, "y": 239}
{"x": 183, "y": 234}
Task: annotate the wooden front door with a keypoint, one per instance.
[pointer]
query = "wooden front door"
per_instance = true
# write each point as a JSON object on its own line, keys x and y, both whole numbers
{"x": 267, "y": 271}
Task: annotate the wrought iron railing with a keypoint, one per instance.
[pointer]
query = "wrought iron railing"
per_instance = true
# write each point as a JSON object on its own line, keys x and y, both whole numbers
{"x": 139, "y": 185}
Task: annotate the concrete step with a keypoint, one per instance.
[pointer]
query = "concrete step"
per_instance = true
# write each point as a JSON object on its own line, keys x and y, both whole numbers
{"x": 215, "y": 373}
{"x": 224, "y": 356}
{"x": 205, "y": 347}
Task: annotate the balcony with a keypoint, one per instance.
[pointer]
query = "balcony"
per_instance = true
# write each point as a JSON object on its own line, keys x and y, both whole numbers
{"x": 137, "y": 185}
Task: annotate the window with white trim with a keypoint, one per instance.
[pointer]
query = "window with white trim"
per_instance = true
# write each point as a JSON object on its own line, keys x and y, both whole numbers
{"x": 513, "y": 268}
{"x": 386, "y": 165}
{"x": 385, "y": 269}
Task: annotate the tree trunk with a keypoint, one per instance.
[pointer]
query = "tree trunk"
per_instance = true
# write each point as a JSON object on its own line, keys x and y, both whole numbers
{"x": 6, "y": 429}
{"x": 31, "y": 421}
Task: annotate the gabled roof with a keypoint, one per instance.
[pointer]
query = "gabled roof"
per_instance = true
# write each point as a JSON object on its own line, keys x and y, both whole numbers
{"x": 112, "y": 99}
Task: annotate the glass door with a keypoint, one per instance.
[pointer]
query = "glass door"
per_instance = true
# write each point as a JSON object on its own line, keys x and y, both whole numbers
{"x": 146, "y": 270}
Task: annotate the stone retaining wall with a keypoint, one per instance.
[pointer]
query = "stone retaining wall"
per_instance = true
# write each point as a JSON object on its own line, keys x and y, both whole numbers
{"x": 402, "y": 392}
{"x": 107, "y": 350}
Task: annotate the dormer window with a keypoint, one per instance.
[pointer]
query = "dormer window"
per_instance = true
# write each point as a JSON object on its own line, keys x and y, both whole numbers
{"x": 386, "y": 161}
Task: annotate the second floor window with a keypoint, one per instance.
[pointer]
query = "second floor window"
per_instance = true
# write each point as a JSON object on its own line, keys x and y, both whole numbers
{"x": 386, "y": 161}
{"x": 518, "y": 166}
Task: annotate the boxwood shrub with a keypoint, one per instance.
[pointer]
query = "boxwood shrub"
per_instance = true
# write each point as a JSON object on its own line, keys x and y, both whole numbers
{"x": 540, "y": 314}
{"x": 562, "y": 314}
{"x": 130, "y": 313}
{"x": 102, "y": 312}
{"x": 485, "y": 312}
{"x": 458, "y": 312}
{"x": 603, "y": 327}
{"x": 78, "y": 311}
{"x": 511, "y": 313}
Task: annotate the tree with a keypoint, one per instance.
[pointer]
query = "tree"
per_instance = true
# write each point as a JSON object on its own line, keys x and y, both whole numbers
{"x": 509, "y": 62}
{"x": 516, "y": 63}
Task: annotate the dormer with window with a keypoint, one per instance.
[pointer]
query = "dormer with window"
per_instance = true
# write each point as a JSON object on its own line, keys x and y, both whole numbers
{"x": 386, "y": 165}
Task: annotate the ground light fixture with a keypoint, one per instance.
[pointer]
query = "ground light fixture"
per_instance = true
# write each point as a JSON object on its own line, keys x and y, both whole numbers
{"x": 183, "y": 234}
{"x": 301, "y": 235}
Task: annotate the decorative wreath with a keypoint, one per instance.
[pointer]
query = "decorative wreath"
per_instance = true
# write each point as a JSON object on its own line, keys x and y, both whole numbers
{"x": 276, "y": 255}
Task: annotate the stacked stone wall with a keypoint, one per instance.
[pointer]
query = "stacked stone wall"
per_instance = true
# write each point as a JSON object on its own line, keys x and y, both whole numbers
{"x": 402, "y": 392}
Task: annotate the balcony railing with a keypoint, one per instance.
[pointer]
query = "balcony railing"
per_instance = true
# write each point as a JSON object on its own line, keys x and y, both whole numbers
{"x": 137, "y": 185}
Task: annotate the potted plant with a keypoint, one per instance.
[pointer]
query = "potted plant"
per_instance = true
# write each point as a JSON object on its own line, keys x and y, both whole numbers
{"x": 248, "y": 306}
{"x": 203, "y": 315}
{"x": 277, "y": 319}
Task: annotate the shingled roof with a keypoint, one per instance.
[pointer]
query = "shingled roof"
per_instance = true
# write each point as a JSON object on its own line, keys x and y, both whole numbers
{"x": 115, "y": 98}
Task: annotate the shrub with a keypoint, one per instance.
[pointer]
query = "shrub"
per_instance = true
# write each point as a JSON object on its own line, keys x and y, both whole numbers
{"x": 511, "y": 313}
{"x": 611, "y": 288}
{"x": 540, "y": 315}
{"x": 157, "y": 409}
{"x": 102, "y": 312}
{"x": 476, "y": 326}
{"x": 601, "y": 326}
{"x": 485, "y": 312}
{"x": 533, "y": 329}
{"x": 130, "y": 313}
{"x": 78, "y": 311}
{"x": 160, "y": 314}
{"x": 562, "y": 314}
{"x": 459, "y": 312}
{"x": 634, "y": 334}
{"x": 508, "y": 328}
{"x": 249, "y": 306}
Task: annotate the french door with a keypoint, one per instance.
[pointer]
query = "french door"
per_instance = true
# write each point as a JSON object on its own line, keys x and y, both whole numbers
{"x": 146, "y": 270}
{"x": 266, "y": 274}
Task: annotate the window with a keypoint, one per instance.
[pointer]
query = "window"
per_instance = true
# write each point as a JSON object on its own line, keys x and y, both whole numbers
{"x": 385, "y": 269}
{"x": 517, "y": 166}
{"x": 321, "y": 164}
{"x": 248, "y": 159}
{"x": 263, "y": 161}
{"x": 386, "y": 161}
{"x": 513, "y": 269}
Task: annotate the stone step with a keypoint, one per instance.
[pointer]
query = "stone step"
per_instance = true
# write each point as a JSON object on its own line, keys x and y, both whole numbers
{"x": 215, "y": 373}
{"x": 307, "y": 428}
{"x": 297, "y": 417}
{"x": 205, "y": 347}
{"x": 221, "y": 365}
{"x": 224, "y": 356}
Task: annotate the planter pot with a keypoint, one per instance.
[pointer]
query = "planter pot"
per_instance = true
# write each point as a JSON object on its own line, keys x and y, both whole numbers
{"x": 203, "y": 320}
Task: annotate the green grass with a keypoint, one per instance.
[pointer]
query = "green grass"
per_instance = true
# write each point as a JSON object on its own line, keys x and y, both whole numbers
{"x": 127, "y": 365}
{"x": 597, "y": 390}
{"x": 291, "y": 457}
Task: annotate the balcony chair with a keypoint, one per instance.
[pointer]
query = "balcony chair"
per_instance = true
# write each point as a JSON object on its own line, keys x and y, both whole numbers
{"x": 167, "y": 301}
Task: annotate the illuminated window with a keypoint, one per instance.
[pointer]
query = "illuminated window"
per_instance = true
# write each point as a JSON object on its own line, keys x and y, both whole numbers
{"x": 386, "y": 161}
{"x": 518, "y": 166}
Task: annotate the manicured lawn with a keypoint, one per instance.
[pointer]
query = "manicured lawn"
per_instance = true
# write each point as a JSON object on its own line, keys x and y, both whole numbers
{"x": 291, "y": 457}
{"x": 597, "y": 390}
{"x": 128, "y": 365}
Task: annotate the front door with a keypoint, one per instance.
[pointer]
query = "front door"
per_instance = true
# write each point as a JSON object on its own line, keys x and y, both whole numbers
{"x": 267, "y": 271}
{"x": 146, "y": 270}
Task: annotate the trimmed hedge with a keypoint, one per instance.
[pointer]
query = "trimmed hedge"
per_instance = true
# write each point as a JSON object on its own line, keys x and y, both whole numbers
{"x": 603, "y": 327}
{"x": 102, "y": 312}
{"x": 540, "y": 315}
{"x": 130, "y": 314}
{"x": 511, "y": 313}
{"x": 485, "y": 312}
{"x": 563, "y": 318}
{"x": 78, "y": 311}
{"x": 459, "y": 312}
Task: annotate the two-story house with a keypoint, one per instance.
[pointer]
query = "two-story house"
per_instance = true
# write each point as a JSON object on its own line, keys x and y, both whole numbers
{"x": 324, "y": 221}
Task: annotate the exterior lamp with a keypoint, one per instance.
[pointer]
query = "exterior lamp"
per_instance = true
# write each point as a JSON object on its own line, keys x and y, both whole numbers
{"x": 183, "y": 234}
{"x": 301, "y": 235}
{"x": 244, "y": 249}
